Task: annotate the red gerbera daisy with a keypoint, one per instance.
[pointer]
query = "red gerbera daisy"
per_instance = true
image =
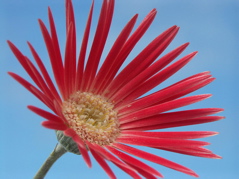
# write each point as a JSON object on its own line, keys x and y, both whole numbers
{"x": 102, "y": 110}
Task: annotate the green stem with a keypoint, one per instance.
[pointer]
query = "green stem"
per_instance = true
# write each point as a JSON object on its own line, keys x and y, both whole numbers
{"x": 56, "y": 154}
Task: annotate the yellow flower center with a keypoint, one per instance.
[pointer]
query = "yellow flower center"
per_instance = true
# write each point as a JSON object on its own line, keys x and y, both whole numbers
{"x": 92, "y": 117}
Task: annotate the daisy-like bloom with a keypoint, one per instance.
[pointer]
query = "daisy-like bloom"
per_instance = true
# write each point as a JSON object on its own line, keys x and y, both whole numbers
{"x": 102, "y": 109}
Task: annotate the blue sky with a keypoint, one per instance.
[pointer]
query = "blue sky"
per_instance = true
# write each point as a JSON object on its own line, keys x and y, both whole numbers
{"x": 211, "y": 27}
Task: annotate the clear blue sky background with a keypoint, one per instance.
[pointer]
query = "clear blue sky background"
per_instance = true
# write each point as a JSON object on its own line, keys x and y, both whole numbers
{"x": 210, "y": 26}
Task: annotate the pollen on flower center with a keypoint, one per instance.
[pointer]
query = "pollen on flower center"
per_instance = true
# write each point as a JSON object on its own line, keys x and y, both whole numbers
{"x": 92, "y": 117}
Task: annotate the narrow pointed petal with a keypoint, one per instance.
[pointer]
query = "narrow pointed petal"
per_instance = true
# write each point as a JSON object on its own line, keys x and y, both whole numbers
{"x": 103, "y": 164}
{"x": 162, "y": 95}
{"x": 153, "y": 110}
{"x": 40, "y": 81}
{"x": 55, "y": 43}
{"x": 191, "y": 89}
{"x": 54, "y": 125}
{"x": 162, "y": 76}
{"x": 194, "y": 121}
{"x": 128, "y": 47}
{"x": 108, "y": 64}
{"x": 98, "y": 43}
{"x": 32, "y": 89}
{"x": 56, "y": 63}
{"x": 134, "y": 161}
{"x": 70, "y": 62}
{"x": 70, "y": 52}
{"x": 82, "y": 148}
{"x": 158, "y": 142}
{"x": 147, "y": 73}
{"x": 44, "y": 72}
{"x": 155, "y": 159}
{"x": 142, "y": 60}
{"x": 23, "y": 61}
{"x": 186, "y": 122}
{"x": 143, "y": 172}
{"x": 172, "y": 135}
{"x": 129, "y": 172}
{"x": 47, "y": 115}
{"x": 197, "y": 152}
{"x": 171, "y": 117}
{"x": 114, "y": 160}
{"x": 81, "y": 58}
{"x": 31, "y": 70}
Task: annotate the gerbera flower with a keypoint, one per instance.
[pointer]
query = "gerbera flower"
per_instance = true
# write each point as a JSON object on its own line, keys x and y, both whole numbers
{"x": 102, "y": 109}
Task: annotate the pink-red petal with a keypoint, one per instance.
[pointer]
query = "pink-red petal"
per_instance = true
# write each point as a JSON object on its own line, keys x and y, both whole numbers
{"x": 134, "y": 162}
{"x": 127, "y": 48}
{"x": 108, "y": 64}
{"x": 45, "y": 114}
{"x": 44, "y": 72}
{"x": 154, "y": 158}
{"x": 147, "y": 73}
{"x": 103, "y": 164}
{"x": 81, "y": 58}
{"x": 193, "y": 121}
{"x": 81, "y": 145}
{"x": 143, "y": 60}
{"x": 171, "y": 117}
{"x": 54, "y": 58}
{"x": 158, "y": 142}
{"x": 162, "y": 96}
{"x": 172, "y": 135}
{"x": 106, "y": 154}
{"x": 98, "y": 43}
{"x": 54, "y": 125}
{"x": 153, "y": 110}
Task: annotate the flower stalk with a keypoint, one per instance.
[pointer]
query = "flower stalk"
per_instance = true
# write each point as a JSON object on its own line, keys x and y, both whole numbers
{"x": 56, "y": 154}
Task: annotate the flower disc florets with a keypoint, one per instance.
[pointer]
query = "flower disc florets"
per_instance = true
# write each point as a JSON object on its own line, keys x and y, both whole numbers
{"x": 92, "y": 117}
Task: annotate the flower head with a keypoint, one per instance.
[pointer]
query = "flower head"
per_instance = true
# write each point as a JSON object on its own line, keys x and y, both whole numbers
{"x": 102, "y": 108}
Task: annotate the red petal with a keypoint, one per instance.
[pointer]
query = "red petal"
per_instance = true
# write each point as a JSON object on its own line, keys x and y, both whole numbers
{"x": 82, "y": 148}
{"x": 148, "y": 72}
{"x": 171, "y": 117}
{"x": 70, "y": 50}
{"x": 190, "y": 90}
{"x": 161, "y": 76}
{"x": 31, "y": 70}
{"x": 155, "y": 159}
{"x": 198, "y": 152}
{"x": 162, "y": 95}
{"x": 187, "y": 122}
{"x": 70, "y": 62}
{"x": 81, "y": 59}
{"x": 114, "y": 160}
{"x": 129, "y": 172}
{"x": 41, "y": 96}
{"x": 54, "y": 125}
{"x": 143, "y": 60}
{"x": 55, "y": 42}
{"x": 134, "y": 162}
{"x": 54, "y": 58}
{"x": 108, "y": 64}
{"x": 172, "y": 135}
{"x": 103, "y": 164}
{"x": 153, "y": 110}
{"x": 158, "y": 142}
{"x": 143, "y": 172}
{"x": 44, "y": 73}
{"x": 98, "y": 43}
{"x": 128, "y": 46}
{"x": 47, "y": 115}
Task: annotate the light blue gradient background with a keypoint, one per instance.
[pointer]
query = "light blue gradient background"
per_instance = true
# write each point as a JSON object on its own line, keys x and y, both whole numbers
{"x": 210, "y": 26}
